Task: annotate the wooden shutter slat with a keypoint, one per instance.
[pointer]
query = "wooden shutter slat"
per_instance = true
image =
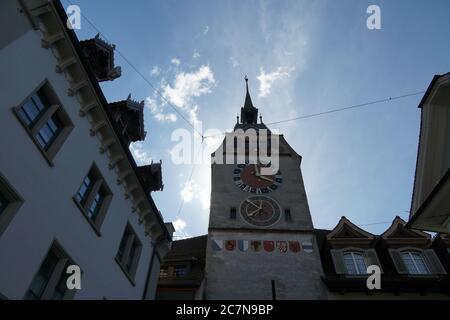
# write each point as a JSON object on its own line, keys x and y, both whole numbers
{"x": 398, "y": 261}
{"x": 338, "y": 261}
{"x": 372, "y": 258}
{"x": 433, "y": 262}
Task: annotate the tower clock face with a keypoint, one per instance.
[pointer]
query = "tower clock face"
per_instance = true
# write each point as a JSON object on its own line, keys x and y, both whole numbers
{"x": 248, "y": 177}
{"x": 260, "y": 211}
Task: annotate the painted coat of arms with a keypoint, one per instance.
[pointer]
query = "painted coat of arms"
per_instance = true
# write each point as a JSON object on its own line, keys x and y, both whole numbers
{"x": 255, "y": 245}
{"x": 294, "y": 246}
{"x": 282, "y": 246}
{"x": 269, "y": 246}
{"x": 230, "y": 245}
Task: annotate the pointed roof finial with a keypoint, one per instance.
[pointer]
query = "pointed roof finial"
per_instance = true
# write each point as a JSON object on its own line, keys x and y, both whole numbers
{"x": 248, "y": 100}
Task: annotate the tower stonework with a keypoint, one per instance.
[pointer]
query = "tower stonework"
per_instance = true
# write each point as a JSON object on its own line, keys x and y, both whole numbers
{"x": 261, "y": 242}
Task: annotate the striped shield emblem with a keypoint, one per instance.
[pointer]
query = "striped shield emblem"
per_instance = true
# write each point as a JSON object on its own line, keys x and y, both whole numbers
{"x": 243, "y": 245}
{"x": 307, "y": 247}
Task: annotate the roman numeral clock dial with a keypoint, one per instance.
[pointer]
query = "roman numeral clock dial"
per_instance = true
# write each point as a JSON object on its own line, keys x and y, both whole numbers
{"x": 248, "y": 177}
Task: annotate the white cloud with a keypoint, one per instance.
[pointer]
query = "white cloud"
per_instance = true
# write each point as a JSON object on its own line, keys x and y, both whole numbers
{"x": 155, "y": 71}
{"x": 205, "y": 30}
{"x": 189, "y": 85}
{"x": 179, "y": 225}
{"x": 187, "y": 192}
{"x": 140, "y": 155}
{"x": 175, "y": 61}
{"x": 192, "y": 191}
{"x": 181, "y": 93}
{"x": 266, "y": 80}
{"x": 234, "y": 62}
{"x": 168, "y": 117}
{"x": 196, "y": 55}
{"x": 157, "y": 110}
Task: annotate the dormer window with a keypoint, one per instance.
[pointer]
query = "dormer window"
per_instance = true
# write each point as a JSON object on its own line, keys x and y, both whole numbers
{"x": 180, "y": 271}
{"x": 354, "y": 262}
{"x": 415, "y": 263}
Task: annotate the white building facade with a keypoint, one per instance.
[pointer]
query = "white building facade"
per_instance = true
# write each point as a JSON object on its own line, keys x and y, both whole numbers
{"x": 70, "y": 192}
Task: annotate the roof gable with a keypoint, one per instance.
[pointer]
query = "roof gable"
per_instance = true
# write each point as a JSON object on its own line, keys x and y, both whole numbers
{"x": 347, "y": 233}
{"x": 399, "y": 233}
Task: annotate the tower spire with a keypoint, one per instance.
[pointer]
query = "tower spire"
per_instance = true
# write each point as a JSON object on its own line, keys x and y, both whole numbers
{"x": 248, "y": 100}
{"x": 249, "y": 114}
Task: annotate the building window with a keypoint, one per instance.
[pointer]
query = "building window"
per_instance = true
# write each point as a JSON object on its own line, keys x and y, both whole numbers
{"x": 287, "y": 215}
{"x": 354, "y": 263}
{"x": 233, "y": 213}
{"x": 129, "y": 252}
{"x": 180, "y": 271}
{"x": 163, "y": 273}
{"x": 93, "y": 198}
{"x": 10, "y": 202}
{"x": 415, "y": 263}
{"x": 49, "y": 283}
{"x": 45, "y": 120}
{"x": 174, "y": 271}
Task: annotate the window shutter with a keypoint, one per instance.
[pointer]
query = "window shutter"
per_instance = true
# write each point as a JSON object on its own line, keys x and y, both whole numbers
{"x": 338, "y": 262}
{"x": 433, "y": 262}
{"x": 372, "y": 258}
{"x": 398, "y": 261}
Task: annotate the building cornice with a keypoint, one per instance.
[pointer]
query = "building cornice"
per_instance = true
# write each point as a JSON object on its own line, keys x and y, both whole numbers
{"x": 51, "y": 18}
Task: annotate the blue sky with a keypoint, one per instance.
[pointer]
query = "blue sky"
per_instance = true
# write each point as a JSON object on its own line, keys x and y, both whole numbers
{"x": 301, "y": 57}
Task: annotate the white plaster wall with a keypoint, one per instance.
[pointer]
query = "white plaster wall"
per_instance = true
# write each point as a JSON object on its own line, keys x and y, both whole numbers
{"x": 48, "y": 211}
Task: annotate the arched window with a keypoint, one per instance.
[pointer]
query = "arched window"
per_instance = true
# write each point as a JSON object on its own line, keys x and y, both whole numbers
{"x": 355, "y": 262}
{"x": 415, "y": 263}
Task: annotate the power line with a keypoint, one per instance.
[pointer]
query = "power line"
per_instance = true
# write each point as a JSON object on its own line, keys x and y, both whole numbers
{"x": 271, "y": 123}
{"x": 335, "y": 110}
{"x": 349, "y": 107}
{"x": 156, "y": 91}
{"x": 372, "y": 224}
{"x": 140, "y": 74}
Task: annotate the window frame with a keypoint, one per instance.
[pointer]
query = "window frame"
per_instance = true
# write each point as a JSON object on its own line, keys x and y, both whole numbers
{"x": 56, "y": 275}
{"x": 287, "y": 215}
{"x": 410, "y": 253}
{"x": 98, "y": 184}
{"x": 180, "y": 266}
{"x": 54, "y": 109}
{"x": 370, "y": 256}
{"x": 122, "y": 259}
{"x": 355, "y": 265}
{"x": 233, "y": 213}
{"x": 165, "y": 274}
{"x": 429, "y": 257}
{"x": 13, "y": 203}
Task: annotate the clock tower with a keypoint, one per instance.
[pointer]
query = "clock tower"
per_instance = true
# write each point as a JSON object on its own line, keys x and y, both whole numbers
{"x": 261, "y": 242}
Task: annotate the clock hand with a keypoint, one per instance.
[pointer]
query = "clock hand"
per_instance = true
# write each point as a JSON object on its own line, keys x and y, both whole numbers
{"x": 252, "y": 203}
{"x": 265, "y": 178}
{"x": 251, "y": 214}
{"x": 256, "y": 169}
